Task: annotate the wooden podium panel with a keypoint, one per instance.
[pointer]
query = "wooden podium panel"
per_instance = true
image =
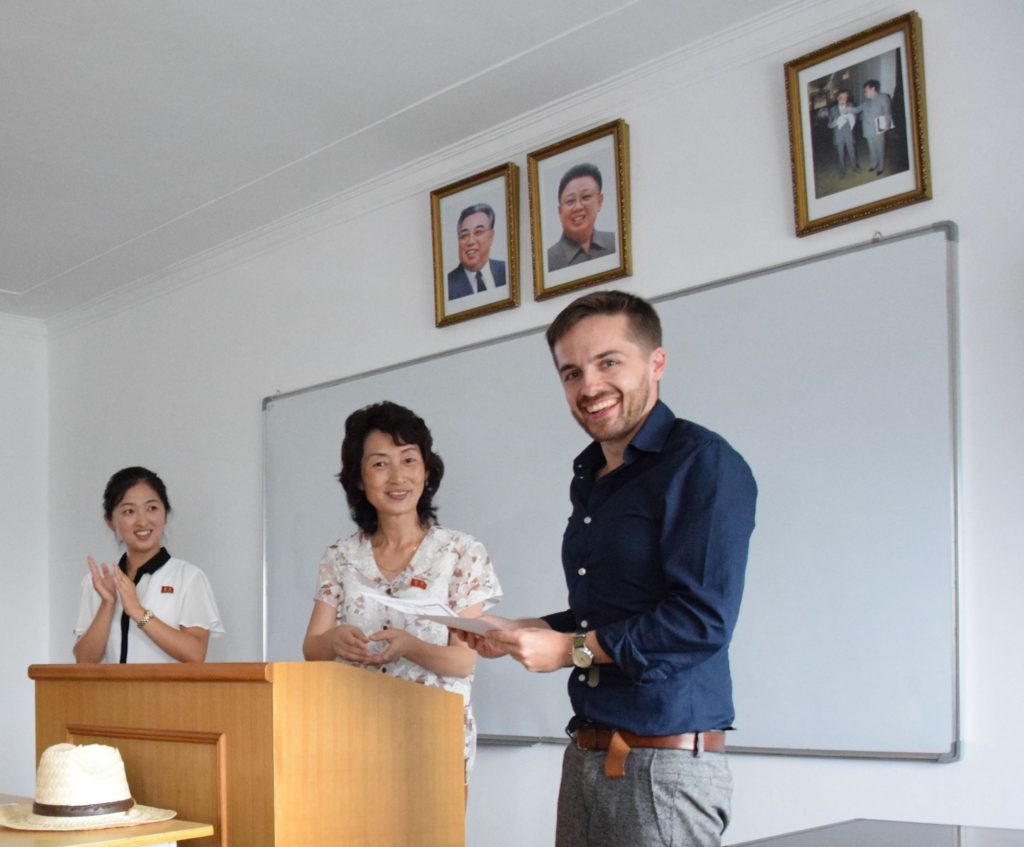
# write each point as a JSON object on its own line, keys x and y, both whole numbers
{"x": 287, "y": 754}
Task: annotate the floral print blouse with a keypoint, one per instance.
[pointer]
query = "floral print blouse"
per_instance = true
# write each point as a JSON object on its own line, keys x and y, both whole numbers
{"x": 449, "y": 566}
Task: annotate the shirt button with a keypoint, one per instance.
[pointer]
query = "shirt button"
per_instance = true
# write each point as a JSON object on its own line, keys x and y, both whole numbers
{"x": 587, "y": 519}
{"x": 582, "y": 571}
{"x": 582, "y": 677}
{"x": 584, "y": 624}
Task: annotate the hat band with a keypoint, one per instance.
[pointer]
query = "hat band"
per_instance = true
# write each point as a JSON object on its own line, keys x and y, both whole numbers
{"x": 82, "y": 811}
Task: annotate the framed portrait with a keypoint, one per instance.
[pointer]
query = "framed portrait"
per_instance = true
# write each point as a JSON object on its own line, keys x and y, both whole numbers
{"x": 857, "y": 129}
{"x": 579, "y": 210}
{"x": 476, "y": 245}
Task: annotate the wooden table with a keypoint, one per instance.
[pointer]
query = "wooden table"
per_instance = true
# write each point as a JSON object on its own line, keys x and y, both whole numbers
{"x": 123, "y": 836}
{"x": 863, "y": 832}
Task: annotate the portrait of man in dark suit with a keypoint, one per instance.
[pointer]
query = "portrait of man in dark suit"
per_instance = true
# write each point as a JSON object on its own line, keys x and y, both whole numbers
{"x": 476, "y": 271}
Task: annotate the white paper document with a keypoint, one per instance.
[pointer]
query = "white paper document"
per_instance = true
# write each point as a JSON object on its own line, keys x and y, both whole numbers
{"x": 433, "y": 610}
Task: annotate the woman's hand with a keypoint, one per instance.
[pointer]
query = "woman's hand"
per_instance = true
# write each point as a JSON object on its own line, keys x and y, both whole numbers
{"x": 350, "y": 643}
{"x": 90, "y": 647}
{"x": 110, "y": 583}
{"x": 129, "y": 597}
{"x": 397, "y": 644}
{"x": 103, "y": 580}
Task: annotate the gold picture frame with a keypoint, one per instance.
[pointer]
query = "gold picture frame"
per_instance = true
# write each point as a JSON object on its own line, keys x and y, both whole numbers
{"x": 476, "y": 270}
{"x": 857, "y": 127}
{"x": 592, "y": 170}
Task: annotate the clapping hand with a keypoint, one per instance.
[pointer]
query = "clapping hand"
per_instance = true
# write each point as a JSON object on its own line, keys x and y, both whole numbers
{"x": 103, "y": 580}
{"x": 111, "y": 582}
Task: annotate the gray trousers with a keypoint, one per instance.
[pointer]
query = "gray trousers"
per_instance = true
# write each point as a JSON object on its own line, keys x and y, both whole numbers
{"x": 667, "y": 797}
{"x": 846, "y": 151}
{"x": 876, "y": 149}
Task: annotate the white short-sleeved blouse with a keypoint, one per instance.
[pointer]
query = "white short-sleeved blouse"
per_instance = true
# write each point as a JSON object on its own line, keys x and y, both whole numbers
{"x": 177, "y": 592}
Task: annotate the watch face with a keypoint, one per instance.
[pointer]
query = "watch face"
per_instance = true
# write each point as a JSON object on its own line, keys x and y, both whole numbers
{"x": 582, "y": 657}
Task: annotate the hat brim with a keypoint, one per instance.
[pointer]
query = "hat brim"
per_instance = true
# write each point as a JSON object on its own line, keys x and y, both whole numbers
{"x": 21, "y": 816}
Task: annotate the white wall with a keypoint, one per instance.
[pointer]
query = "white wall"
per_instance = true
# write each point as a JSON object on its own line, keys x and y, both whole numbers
{"x": 175, "y": 379}
{"x": 24, "y": 608}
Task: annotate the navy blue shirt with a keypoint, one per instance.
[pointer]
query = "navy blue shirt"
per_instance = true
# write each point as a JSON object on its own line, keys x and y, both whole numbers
{"x": 654, "y": 556}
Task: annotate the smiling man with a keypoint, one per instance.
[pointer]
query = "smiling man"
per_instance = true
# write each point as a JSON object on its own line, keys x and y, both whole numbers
{"x": 477, "y": 271}
{"x": 654, "y": 557}
{"x": 579, "y": 203}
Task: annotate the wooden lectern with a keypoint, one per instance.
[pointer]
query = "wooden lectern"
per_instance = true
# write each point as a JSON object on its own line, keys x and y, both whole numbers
{"x": 285, "y": 754}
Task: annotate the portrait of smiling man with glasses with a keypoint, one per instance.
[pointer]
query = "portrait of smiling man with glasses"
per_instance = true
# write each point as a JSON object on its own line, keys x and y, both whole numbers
{"x": 579, "y": 203}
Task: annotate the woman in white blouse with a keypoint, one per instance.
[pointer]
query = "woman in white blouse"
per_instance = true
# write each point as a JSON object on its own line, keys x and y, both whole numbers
{"x": 390, "y": 474}
{"x": 150, "y": 606}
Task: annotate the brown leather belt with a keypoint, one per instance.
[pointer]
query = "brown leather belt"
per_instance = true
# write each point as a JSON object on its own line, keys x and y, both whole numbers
{"x": 619, "y": 742}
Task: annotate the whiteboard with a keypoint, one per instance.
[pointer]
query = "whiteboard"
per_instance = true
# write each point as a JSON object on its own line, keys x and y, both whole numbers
{"x": 835, "y": 377}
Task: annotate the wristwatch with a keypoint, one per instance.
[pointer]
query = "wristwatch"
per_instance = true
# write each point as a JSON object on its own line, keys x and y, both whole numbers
{"x": 582, "y": 655}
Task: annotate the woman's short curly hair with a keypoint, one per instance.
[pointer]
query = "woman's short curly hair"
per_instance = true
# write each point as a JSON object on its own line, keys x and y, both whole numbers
{"x": 405, "y": 427}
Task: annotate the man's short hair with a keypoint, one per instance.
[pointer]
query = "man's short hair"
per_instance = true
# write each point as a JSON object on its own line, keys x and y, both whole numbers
{"x": 873, "y": 83}
{"x": 575, "y": 172}
{"x": 475, "y": 209}
{"x": 644, "y": 323}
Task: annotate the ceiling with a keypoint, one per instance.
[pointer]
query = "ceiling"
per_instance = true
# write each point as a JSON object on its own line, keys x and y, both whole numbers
{"x": 136, "y": 134}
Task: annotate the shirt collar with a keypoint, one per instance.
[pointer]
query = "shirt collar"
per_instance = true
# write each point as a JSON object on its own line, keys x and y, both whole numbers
{"x": 650, "y": 438}
{"x": 598, "y": 241}
{"x": 484, "y": 271}
{"x": 603, "y": 240}
{"x": 153, "y": 565}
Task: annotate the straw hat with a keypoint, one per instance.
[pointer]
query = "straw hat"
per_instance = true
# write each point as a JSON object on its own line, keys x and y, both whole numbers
{"x": 81, "y": 788}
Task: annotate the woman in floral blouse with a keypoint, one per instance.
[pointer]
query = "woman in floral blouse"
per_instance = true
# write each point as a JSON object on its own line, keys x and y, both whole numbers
{"x": 390, "y": 474}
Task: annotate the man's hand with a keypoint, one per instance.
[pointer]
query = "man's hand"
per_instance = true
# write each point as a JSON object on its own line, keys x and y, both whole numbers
{"x": 538, "y": 650}
{"x": 483, "y": 646}
{"x": 528, "y": 640}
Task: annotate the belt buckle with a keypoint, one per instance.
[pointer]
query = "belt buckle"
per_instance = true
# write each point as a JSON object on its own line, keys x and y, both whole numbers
{"x": 575, "y": 736}
{"x": 588, "y": 744}
{"x": 587, "y": 738}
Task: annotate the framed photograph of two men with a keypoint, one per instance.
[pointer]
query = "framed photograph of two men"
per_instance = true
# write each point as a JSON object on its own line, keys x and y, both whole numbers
{"x": 857, "y": 129}
{"x": 476, "y": 245}
{"x": 579, "y": 210}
